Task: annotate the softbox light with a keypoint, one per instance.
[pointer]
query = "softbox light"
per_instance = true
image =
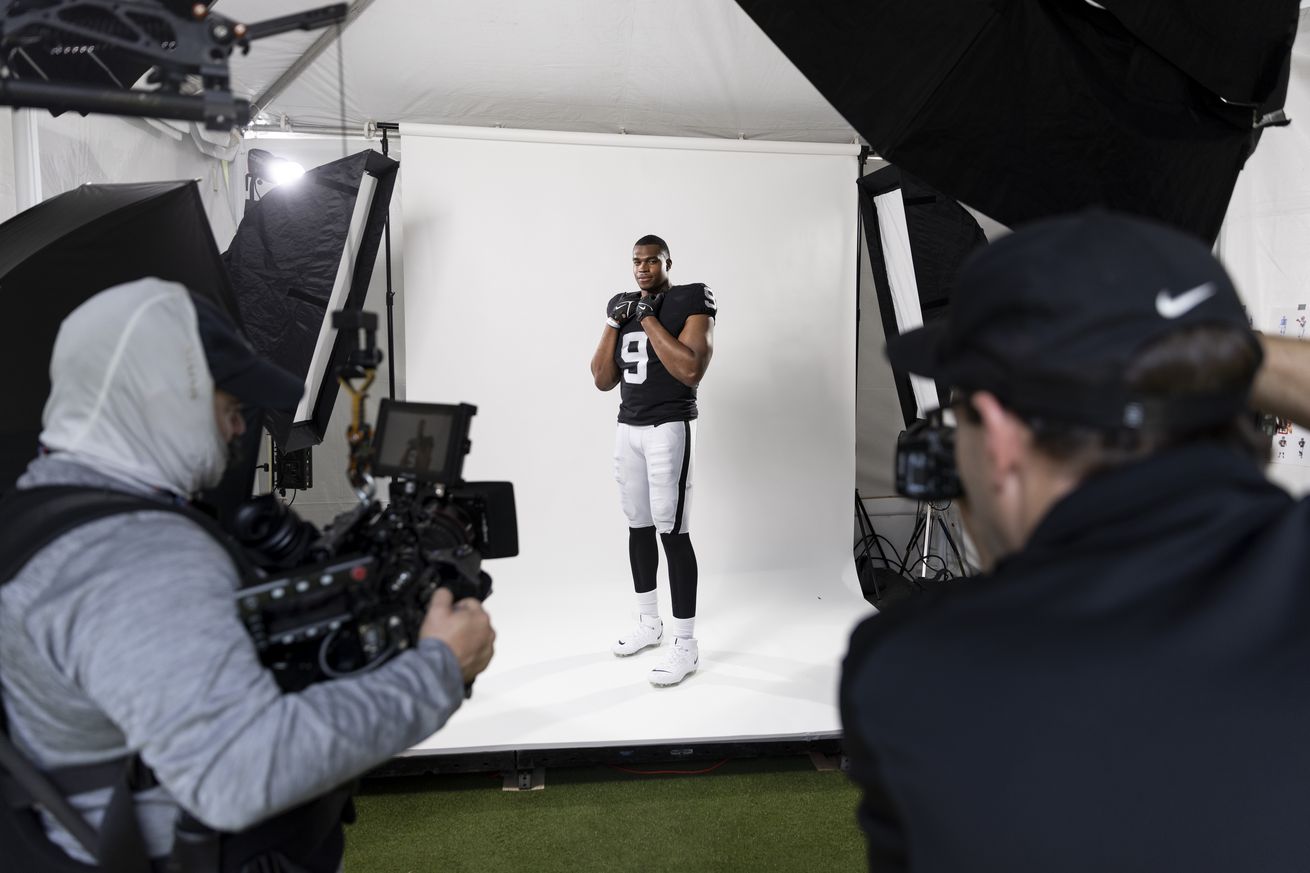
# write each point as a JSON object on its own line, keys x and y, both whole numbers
{"x": 301, "y": 252}
{"x": 59, "y": 253}
{"x": 917, "y": 239}
{"x": 1029, "y": 108}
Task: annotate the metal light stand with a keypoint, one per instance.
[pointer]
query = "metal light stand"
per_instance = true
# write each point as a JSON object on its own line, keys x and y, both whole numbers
{"x": 868, "y": 542}
{"x": 940, "y": 518}
{"x": 391, "y": 294}
{"x": 927, "y": 540}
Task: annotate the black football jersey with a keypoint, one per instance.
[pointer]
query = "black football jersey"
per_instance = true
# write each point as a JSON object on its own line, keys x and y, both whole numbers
{"x": 650, "y": 395}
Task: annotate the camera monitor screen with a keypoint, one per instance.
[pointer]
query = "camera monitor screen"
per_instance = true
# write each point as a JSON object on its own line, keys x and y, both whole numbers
{"x": 425, "y": 441}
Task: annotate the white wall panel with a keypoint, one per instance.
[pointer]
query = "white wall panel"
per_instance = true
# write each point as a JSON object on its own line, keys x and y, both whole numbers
{"x": 77, "y": 150}
{"x": 514, "y": 247}
{"x": 514, "y": 243}
{"x": 8, "y": 194}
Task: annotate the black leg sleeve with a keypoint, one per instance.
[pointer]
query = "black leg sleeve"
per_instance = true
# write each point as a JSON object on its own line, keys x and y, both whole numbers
{"x": 682, "y": 573}
{"x": 644, "y": 553}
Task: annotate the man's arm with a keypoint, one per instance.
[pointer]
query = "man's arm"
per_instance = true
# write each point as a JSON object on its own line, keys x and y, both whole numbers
{"x": 1282, "y": 384}
{"x": 160, "y": 650}
{"x": 604, "y": 369}
{"x": 687, "y": 355}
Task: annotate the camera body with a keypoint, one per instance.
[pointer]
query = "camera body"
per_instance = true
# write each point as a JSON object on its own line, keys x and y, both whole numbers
{"x": 925, "y": 461}
{"x": 342, "y": 601}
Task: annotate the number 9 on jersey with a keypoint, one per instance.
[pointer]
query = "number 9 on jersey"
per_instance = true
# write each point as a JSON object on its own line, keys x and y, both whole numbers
{"x": 633, "y": 352}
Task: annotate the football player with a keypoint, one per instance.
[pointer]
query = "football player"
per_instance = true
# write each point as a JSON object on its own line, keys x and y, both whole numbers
{"x": 656, "y": 344}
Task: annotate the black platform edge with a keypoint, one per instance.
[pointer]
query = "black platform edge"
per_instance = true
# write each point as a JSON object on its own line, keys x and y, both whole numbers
{"x": 444, "y": 765}
{"x": 662, "y": 753}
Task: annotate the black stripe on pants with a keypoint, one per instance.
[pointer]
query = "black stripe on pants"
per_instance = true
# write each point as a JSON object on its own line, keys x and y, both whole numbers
{"x": 682, "y": 480}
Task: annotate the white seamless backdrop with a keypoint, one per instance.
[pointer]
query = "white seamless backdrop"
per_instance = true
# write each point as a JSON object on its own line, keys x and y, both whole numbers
{"x": 514, "y": 241}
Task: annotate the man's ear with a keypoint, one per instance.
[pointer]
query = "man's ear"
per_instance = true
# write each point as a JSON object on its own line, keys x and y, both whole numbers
{"x": 1005, "y": 438}
{"x": 668, "y": 264}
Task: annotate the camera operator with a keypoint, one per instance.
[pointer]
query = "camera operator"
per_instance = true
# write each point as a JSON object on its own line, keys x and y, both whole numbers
{"x": 121, "y": 637}
{"x": 1125, "y": 688}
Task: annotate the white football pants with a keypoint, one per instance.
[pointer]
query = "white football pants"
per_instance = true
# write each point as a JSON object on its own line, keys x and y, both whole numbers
{"x": 654, "y": 465}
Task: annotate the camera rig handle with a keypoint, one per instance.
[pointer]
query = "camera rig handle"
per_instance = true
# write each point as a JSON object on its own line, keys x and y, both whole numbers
{"x": 359, "y": 330}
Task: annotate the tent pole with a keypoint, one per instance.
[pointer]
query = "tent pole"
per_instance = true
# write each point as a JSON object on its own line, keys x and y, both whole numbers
{"x": 302, "y": 63}
{"x": 391, "y": 294}
{"x": 859, "y": 259}
{"x": 27, "y": 160}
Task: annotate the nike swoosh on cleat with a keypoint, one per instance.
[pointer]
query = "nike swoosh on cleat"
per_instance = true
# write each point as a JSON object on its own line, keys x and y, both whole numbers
{"x": 1175, "y": 306}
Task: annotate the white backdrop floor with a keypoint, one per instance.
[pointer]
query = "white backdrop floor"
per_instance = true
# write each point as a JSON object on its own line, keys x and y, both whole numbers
{"x": 771, "y": 646}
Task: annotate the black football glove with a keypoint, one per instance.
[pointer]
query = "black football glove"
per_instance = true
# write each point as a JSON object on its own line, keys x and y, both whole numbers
{"x": 649, "y": 306}
{"x": 622, "y": 310}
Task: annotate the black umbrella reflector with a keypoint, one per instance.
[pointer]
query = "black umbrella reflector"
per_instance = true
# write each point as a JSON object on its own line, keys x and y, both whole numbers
{"x": 59, "y": 253}
{"x": 301, "y": 252}
{"x": 917, "y": 240}
{"x": 1028, "y": 108}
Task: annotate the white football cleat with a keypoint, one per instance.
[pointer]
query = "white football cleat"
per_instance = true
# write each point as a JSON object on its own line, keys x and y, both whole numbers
{"x": 648, "y": 632}
{"x": 680, "y": 662}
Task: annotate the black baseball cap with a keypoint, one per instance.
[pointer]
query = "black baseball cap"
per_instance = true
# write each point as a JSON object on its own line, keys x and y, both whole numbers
{"x": 237, "y": 369}
{"x": 1049, "y": 317}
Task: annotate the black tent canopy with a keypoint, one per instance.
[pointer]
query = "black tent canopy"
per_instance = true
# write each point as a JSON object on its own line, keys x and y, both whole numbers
{"x": 1027, "y": 108}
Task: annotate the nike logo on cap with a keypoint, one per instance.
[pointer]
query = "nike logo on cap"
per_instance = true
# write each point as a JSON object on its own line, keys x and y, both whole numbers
{"x": 1173, "y": 307}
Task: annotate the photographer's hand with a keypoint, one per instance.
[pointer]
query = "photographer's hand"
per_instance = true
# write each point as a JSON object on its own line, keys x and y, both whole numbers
{"x": 465, "y": 627}
{"x": 1282, "y": 381}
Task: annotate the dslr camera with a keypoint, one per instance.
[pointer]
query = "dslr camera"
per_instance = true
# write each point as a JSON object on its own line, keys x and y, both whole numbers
{"x": 925, "y": 461}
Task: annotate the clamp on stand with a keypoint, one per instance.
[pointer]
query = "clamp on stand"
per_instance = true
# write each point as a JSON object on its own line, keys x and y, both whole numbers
{"x": 361, "y": 365}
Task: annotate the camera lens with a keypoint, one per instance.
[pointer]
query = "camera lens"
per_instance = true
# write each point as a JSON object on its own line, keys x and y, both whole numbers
{"x": 271, "y": 532}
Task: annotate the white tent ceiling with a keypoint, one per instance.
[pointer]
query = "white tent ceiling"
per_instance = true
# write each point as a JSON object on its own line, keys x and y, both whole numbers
{"x": 662, "y": 67}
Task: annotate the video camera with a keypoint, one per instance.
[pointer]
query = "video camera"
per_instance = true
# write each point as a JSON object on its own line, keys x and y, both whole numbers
{"x": 344, "y": 600}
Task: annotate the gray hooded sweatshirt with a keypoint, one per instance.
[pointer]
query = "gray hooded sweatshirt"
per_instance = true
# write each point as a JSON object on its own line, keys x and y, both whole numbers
{"x": 122, "y": 636}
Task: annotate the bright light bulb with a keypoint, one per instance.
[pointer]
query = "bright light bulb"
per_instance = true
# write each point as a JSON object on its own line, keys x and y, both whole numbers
{"x": 284, "y": 172}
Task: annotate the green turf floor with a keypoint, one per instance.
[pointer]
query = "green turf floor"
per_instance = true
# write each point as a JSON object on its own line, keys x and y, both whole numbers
{"x": 775, "y": 814}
